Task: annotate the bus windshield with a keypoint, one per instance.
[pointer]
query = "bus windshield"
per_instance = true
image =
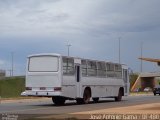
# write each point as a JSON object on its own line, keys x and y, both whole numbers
{"x": 43, "y": 64}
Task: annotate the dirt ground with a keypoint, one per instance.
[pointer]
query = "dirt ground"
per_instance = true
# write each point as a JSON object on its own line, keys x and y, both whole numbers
{"x": 153, "y": 108}
{"x": 137, "y": 112}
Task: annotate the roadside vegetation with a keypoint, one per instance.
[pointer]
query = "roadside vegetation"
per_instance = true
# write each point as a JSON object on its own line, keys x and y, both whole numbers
{"x": 133, "y": 78}
{"x": 11, "y": 87}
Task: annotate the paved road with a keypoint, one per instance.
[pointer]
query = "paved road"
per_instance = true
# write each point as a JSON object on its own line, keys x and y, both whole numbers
{"x": 45, "y": 106}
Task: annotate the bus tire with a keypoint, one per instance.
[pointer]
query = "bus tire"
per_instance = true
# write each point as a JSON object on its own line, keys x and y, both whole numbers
{"x": 58, "y": 100}
{"x": 96, "y": 99}
{"x": 86, "y": 96}
{"x": 79, "y": 101}
{"x": 119, "y": 97}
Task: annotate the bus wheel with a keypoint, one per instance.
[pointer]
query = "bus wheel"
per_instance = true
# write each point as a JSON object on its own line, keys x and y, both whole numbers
{"x": 95, "y": 99}
{"x": 86, "y": 96}
{"x": 58, "y": 100}
{"x": 79, "y": 101}
{"x": 119, "y": 97}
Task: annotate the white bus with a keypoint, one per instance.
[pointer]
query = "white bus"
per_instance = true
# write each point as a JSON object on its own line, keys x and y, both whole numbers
{"x": 71, "y": 78}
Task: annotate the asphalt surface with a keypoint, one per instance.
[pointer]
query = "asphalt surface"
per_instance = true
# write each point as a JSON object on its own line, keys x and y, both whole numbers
{"x": 40, "y": 107}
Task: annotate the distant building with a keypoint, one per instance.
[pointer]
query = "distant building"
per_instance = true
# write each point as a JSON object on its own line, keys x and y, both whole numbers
{"x": 146, "y": 80}
{"x": 2, "y": 74}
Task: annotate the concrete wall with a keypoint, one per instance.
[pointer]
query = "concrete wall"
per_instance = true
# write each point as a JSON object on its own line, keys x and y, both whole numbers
{"x": 143, "y": 82}
{"x": 147, "y": 82}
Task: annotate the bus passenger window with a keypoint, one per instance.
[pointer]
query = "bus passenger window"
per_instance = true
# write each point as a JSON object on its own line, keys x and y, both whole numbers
{"x": 118, "y": 71}
{"x": 101, "y": 69}
{"x": 92, "y": 68}
{"x": 68, "y": 66}
{"x": 84, "y": 68}
{"x": 110, "y": 70}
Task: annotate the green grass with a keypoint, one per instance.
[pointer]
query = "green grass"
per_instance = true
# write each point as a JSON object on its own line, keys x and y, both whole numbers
{"x": 11, "y": 87}
{"x": 139, "y": 92}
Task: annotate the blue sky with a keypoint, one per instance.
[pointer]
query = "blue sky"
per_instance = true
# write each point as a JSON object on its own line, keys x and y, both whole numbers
{"x": 92, "y": 27}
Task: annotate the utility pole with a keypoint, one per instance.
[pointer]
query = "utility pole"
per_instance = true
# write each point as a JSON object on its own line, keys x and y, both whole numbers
{"x": 119, "y": 49}
{"x": 0, "y": 93}
{"x": 141, "y": 57}
{"x": 10, "y": 72}
{"x": 68, "y": 46}
{"x": 12, "y": 63}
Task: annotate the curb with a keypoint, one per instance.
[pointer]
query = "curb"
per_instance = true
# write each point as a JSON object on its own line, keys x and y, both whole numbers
{"x": 141, "y": 94}
{"x": 15, "y": 100}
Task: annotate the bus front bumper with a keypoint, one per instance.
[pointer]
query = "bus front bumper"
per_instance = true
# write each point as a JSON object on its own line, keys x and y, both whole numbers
{"x": 41, "y": 93}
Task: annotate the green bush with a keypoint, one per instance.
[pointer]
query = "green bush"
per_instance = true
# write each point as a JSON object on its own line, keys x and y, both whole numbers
{"x": 133, "y": 78}
{"x": 12, "y": 87}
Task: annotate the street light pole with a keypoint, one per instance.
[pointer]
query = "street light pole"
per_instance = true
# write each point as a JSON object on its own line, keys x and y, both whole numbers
{"x": 119, "y": 50}
{"x": 12, "y": 66}
{"x": 68, "y": 45}
{"x": 141, "y": 57}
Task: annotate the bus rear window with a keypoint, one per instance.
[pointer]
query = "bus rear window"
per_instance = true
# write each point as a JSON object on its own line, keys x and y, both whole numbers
{"x": 43, "y": 64}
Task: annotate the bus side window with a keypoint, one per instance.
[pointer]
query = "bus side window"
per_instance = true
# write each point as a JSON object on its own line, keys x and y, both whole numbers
{"x": 68, "y": 66}
{"x": 118, "y": 71}
{"x": 110, "y": 70}
{"x": 84, "y": 67}
{"x": 92, "y": 68}
{"x": 101, "y": 69}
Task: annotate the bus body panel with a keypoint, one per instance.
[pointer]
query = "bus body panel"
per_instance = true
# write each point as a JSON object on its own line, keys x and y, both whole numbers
{"x": 43, "y": 83}
{"x": 102, "y": 87}
{"x": 48, "y": 81}
{"x": 69, "y": 86}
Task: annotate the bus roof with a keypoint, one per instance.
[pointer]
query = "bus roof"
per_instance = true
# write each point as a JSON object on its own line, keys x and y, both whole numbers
{"x": 43, "y": 54}
{"x": 55, "y": 54}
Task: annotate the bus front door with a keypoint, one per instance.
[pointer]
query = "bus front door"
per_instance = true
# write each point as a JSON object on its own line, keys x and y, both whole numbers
{"x": 78, "y": 80}
{"x": 126, "y": 81}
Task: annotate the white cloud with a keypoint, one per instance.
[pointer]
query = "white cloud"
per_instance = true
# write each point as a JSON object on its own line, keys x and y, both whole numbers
{"x": 52, "y": 17}
{"x": 2, "y": 62}
{"x": 91, "y": 26}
